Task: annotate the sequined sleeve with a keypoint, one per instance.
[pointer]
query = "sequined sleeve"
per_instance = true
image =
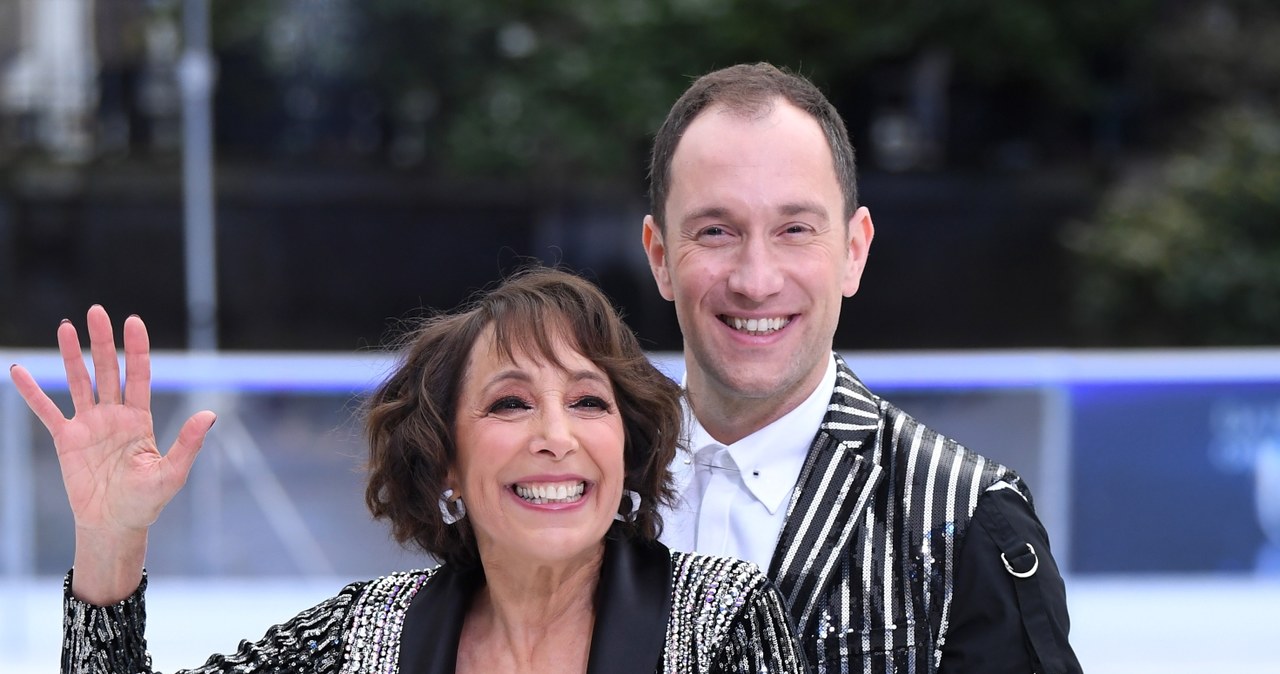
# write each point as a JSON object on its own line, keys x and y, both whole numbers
{"x": 111, "y": 639}
{"x": 728, "y": 617}
{"x": 761, "y": 638}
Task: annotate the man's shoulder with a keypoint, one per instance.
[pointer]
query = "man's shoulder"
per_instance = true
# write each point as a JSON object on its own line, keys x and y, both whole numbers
{"x": 905, "y": 438}
{"x": 898, "y": 436}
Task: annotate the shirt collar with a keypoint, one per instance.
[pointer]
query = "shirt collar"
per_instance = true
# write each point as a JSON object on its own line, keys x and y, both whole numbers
{"x": 770, "y": 459}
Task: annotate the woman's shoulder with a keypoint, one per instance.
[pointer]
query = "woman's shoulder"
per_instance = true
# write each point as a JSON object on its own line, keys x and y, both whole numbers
{"x": 379, "y": 606}
{"x": 392, "y": 591}
{"x": 714, "y": 563}
{"x": 726, "y": 581}
{"x": 727, "y": 616}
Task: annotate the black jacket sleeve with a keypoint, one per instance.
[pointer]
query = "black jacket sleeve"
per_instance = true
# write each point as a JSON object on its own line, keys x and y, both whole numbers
{"x": 987, "y": 630}
{"x": 111, "y": 639}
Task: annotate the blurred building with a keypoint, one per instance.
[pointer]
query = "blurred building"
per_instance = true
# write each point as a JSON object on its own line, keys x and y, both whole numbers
{"x": 47, "y": 71}
{"x": 87, "y": 78}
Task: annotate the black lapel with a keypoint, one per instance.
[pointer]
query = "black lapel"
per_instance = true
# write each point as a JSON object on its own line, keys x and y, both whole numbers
{"x": 831, "y": 494}
{"x": 633, "y": 606}
{"x": 433, "y": 623}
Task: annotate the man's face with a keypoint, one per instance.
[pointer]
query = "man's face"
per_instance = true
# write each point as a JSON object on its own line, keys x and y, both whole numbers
{"x": 756, "y": 256}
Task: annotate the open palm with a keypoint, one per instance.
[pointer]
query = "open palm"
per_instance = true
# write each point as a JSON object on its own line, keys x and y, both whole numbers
{"x": 117, "y": 480}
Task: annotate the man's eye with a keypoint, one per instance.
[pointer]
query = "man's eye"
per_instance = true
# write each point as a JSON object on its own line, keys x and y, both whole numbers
{"x": 714, "y": 230}
{"x": 507, "y": 404}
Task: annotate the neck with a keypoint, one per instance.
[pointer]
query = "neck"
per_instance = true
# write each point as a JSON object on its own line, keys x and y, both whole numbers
{"x": 729, "y": 416}
{"x": 536, "y": 613}
{"x": 730, "y": 420}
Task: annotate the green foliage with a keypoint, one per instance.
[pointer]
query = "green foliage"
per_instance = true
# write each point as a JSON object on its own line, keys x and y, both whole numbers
{"x": 1190, "y": 254}
{"x": 573, "y": 89}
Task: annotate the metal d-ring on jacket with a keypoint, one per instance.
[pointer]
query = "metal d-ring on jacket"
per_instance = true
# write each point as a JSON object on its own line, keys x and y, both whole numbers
{"x": 901, "y": 552}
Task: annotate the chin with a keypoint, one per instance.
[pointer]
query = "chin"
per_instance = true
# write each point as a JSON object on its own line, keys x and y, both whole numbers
{"x": 564, "y": 543}
{"x": 554, "y": 555}
{"x": 755, "y": 384}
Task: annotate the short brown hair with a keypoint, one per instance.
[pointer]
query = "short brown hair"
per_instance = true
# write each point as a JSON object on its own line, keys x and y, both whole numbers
{"x": 749, "y": 90}
{"x": 409, "y": 419}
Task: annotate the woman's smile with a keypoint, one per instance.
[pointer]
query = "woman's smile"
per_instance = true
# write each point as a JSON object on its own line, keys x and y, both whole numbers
{"x": 550, "y": 493}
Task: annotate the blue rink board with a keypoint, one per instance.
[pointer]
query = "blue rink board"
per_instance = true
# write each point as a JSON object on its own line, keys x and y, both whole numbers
{"x": 1164, "y": 476}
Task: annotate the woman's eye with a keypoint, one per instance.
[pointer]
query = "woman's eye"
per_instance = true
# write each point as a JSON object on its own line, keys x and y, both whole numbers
{"x": 507, "y": 404}
{"x": 591, "y": 403}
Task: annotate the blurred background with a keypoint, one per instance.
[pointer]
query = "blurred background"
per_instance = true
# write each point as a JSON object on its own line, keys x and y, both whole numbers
{"x": 1085, "y": 196}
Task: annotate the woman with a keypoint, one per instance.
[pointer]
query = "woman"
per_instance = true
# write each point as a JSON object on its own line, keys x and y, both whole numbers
{"x": 524, "y": 441}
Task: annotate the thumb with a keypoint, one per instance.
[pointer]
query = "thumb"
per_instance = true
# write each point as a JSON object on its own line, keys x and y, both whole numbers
{"x": 191, "y": 438}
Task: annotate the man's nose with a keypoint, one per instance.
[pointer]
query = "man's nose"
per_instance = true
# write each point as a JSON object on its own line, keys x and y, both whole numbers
{"x": 757, "y": 273}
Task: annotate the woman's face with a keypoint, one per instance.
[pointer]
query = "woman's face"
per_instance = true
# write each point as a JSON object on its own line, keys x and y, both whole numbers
{"x": 540, "y": 455}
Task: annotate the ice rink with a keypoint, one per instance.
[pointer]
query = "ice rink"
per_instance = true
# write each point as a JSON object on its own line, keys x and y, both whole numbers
{"x": 1154, "y": 471}
{"x": 1121, "y": 625}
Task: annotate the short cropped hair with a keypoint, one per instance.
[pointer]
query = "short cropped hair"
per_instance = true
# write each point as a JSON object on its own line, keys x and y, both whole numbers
{"x": 410, "y": 419}
{"x": 749, "y": 91}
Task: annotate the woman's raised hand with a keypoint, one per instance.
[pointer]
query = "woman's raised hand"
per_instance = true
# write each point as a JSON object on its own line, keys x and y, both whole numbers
{"x": 117, "y": 480}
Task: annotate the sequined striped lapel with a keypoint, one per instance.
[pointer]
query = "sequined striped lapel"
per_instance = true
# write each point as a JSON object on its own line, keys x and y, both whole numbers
{"x": 833, "y": 490}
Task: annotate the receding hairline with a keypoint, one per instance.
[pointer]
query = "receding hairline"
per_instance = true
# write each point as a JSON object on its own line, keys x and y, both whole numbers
{"x": 750, "y": 88}
{"x": 752, "y": 110}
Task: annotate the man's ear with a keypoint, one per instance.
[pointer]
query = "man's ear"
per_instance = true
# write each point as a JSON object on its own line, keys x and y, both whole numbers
{"x": 656, "y": 250}
{"x": 860, "y": 232}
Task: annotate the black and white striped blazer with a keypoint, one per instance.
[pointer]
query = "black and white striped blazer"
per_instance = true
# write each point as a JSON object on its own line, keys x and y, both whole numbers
{"x": 865, "y": 559}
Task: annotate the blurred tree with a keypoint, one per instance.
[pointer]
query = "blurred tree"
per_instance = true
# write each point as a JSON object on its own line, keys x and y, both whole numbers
{"x": 1185, "y": 249}
{"x": 1201, "y": 56}
{"x": 1188, "y": 252}
{"x": 572, "y": 90}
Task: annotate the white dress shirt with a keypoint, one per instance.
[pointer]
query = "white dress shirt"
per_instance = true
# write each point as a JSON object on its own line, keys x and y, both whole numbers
{"x": 733, "y": 499}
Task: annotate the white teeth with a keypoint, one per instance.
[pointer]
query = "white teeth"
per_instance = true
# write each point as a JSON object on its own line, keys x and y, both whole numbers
{"x": 756, "y": 326}
{"x": 551, "y": 493}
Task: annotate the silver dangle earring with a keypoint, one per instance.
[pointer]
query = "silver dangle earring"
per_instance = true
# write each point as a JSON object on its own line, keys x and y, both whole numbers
{"x": 629, "y": 515}
{"x": 451, "y": 510}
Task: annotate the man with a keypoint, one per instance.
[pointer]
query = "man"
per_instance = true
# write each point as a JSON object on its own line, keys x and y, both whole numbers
{"x": 885, "y": 538}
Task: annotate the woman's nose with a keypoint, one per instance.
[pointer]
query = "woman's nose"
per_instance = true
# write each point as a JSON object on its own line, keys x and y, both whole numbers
{"x": 556, "y": 433}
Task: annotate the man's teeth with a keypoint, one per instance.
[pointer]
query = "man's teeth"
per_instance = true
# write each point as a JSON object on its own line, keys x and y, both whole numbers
{"x": 537, "y": 494}
{"x": 756, "y": 326}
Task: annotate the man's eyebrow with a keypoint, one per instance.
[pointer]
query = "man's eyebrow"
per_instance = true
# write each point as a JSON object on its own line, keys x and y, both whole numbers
{"x": 798, "y": 207}
{"x": 706, "y": 212}
{"x": 788, "y": 209}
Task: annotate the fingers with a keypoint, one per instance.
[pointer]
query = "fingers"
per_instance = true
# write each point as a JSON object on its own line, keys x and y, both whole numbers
{"x": 78, "y": 383}
{"x": 37, "y": 399}
{"x": 137, "y": 363}
{"x": 102, "y": 344}
{"x": 190, "y": 439}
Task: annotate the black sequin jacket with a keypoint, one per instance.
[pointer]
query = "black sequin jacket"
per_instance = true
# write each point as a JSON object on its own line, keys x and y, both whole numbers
{"x": 882, "y": 561}
{"x": 657, "y": 611}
